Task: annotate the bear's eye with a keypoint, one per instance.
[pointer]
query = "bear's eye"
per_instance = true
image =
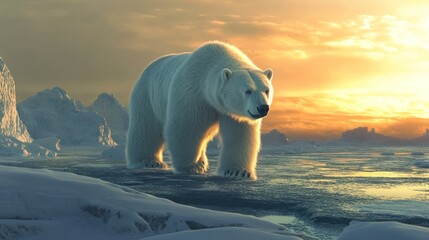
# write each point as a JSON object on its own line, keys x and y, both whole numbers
{"x": 248, "y": 92}
{"x": 267, "y": 92}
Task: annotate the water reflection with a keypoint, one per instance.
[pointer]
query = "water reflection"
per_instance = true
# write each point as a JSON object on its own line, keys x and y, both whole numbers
{"x": 399, "y": 192}
{"x": 284, "y": 219}
{"x": 378, "y": 174}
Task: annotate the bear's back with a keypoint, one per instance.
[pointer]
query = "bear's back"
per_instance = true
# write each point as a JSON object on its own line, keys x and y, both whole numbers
{"x": 157, "y": 80}
{"x": 223, "y": 55}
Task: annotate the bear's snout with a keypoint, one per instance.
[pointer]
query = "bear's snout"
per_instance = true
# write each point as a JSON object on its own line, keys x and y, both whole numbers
{"x": 263, "y": 110}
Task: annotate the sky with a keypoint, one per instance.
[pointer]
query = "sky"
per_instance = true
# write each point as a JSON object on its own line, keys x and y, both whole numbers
{"x": 337, "y": 64}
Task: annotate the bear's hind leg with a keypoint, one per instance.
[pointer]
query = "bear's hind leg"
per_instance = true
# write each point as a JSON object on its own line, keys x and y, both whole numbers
{"x": 187, "y": 144}
{"x": 188, "y": 154}
{"x": 145, "y": 142}
{"x": 202, "y": 164}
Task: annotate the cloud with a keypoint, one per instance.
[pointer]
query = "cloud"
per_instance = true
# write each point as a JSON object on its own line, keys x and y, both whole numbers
{"x": 106, "y": 43}
{"x": 73, "y": 42}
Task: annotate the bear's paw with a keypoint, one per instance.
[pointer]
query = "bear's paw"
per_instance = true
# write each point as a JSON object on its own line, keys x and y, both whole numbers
{"x": 149, "y": 163}
{"x": 239, "y": 174}
{"x": 197, "y": 168}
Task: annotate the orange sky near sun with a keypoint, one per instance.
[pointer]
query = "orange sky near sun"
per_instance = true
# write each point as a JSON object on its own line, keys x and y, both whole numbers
{"x": 364, "y": 70}
{"x": 337, "y": 64}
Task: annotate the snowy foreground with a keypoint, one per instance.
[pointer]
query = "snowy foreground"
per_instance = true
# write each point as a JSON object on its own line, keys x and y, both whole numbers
{"x": 44, "y": 204}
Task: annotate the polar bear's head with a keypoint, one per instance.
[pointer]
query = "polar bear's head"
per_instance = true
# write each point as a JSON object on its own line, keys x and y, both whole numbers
{"x": 247, "y": 94}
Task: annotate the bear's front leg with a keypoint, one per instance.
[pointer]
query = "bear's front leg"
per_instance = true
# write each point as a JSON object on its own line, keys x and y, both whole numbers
{"x": 240, "y": 147}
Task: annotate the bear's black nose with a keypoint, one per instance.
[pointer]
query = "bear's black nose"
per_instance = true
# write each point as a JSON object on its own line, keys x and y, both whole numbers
{"x": 263, "y": 110}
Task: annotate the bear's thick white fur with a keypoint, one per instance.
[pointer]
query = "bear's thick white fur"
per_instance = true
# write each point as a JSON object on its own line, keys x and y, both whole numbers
{"x": 185, "y": 99}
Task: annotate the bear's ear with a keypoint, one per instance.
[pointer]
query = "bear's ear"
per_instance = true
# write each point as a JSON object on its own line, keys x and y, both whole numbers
{"x": 226, "y": 74}
{"x": 269, "y": 73}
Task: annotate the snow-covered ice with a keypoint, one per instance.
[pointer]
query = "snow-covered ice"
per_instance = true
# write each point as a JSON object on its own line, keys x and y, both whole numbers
{"x": 51, "y": 143}
{"x": 52, "y": 113}
{"x": 10, "y": 146}
{"x": 384, "y": 230}
{"x": 44, "y": 204}
{"x": 227, "y": 233}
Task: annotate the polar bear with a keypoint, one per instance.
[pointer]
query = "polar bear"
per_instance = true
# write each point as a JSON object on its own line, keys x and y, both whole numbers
{"x": 185, "y": 99}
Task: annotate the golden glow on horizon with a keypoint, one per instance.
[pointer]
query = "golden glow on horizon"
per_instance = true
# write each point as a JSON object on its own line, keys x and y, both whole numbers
{"x": 326, "y": 116}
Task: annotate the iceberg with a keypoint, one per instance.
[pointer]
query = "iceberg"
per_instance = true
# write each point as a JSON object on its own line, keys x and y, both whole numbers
{"x": 10, "y": 123}
{"x": 52, "y": 113}
{"x": 15, "y": 140}
{"x": 115, "y": 114}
